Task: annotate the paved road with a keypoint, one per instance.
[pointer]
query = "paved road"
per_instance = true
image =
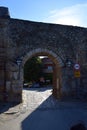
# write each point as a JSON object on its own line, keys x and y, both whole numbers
{"x": 40, "y": 111}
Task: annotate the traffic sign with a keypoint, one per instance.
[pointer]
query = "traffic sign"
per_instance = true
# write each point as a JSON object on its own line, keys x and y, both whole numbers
{"x": 76, "y": 66}
{"x": 77, "y": 74}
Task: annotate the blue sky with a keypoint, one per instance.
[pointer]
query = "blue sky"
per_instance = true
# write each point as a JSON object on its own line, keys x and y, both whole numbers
{"x": 68, "y": 12}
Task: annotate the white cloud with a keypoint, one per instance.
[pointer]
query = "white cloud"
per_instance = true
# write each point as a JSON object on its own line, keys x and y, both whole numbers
{"x": 74, "y": 15}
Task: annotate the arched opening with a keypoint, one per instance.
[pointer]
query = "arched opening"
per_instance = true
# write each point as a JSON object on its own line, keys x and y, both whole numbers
{"x": 38, "y": 72}
{"x": 57, "y": 64}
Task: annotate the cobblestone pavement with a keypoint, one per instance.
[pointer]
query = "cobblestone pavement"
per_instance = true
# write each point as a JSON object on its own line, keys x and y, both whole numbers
{"x": 40, "y": 99}
{"x": 9, "y": 111}
{"x": 32, "y": 98}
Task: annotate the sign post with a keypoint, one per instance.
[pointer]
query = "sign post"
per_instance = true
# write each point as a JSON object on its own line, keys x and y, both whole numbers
{"x": 77, "y": 73}
{"x": 77, "y": 76}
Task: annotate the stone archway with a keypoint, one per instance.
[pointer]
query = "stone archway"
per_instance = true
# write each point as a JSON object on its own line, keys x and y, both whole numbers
{"x": 24, "y": 39}
{"x": 56, "y": 69}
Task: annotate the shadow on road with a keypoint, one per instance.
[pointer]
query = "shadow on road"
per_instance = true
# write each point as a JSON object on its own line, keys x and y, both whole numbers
{"x": 6, "y": 106}
{"x": 41, "y": 118}
{"x": 38, "y": 89}
{"x": 55, "y": 115}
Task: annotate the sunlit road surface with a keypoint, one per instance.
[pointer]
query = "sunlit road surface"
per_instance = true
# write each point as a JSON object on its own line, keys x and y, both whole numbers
{"x": 41, "y": 111}
{"x": 34, "y": 97}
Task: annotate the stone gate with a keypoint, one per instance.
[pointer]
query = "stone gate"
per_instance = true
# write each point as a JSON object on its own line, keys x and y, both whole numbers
{"x": 22, "y": 39}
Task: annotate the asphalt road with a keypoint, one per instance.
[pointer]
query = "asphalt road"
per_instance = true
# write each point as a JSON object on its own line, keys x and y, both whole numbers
{"x": 40, "y": 111}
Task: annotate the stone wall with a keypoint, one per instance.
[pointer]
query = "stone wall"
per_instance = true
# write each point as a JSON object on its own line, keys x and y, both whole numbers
{"x": 27, "y": 35}
{"x": 20, "y": 37}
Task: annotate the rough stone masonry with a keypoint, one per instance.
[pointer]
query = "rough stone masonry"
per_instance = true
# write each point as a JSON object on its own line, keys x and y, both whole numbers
{"x": 22, "y": 39}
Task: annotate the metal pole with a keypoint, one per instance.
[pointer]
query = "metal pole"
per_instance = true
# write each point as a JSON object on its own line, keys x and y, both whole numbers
{"x": 77, "y": 80}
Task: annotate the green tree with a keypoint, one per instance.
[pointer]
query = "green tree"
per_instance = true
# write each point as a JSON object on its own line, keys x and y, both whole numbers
{"x": 32, "y": 69}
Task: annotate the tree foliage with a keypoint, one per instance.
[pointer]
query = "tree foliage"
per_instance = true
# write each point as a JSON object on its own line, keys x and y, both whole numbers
{"x": 32, "y": 69}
